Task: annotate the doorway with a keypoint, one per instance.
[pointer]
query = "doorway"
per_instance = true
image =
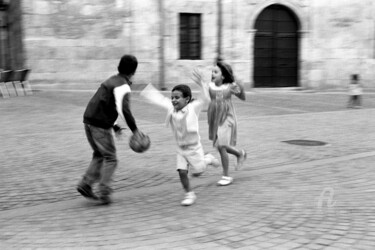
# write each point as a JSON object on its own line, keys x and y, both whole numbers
{"x": 276, "y": 47}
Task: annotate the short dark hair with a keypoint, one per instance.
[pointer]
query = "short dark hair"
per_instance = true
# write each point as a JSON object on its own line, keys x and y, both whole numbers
{"x": 128, "y": 65}
{"x": 184, "y": 89}
{"x": 226, "y": 71}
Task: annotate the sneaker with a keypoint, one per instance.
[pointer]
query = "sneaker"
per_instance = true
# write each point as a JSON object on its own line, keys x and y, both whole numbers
{"x": 189, "y": 199}
{"x": 105, "y": 199}
{"x": 241, "y": 159}
{"x": 213, "y": 161}
{"x": 86, "y": 191}
{"x": 225, "y": 181}
{"x": 105, "y": 194}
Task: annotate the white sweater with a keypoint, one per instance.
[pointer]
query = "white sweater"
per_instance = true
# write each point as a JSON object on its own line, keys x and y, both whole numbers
{"x": 184, "y": 123}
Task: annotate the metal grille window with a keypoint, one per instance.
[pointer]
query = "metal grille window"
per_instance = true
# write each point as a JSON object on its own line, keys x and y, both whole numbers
{"x": 190, "y": 36}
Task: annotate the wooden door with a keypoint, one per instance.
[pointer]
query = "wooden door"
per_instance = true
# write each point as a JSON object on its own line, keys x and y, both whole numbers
{"x": 276, "y": 48}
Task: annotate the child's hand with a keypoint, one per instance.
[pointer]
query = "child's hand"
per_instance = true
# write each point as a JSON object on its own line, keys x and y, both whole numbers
{"x": 197, "y": 77}
{"x": 235, "y": 89}
{"x": 238, "y": 90}
{"x": 118, "y": 131}
{"x": 118, "y": 135}
{"x": 137, "y": 133}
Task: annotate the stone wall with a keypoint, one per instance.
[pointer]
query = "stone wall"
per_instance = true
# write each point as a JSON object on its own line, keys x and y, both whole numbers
{"x": 341, "y": 42}
{"x": 76, "y": 41}
{"x": 80, "y": 41}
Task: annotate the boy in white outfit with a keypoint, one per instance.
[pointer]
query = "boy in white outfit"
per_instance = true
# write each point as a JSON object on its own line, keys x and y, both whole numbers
{"x": 182, "y": 117}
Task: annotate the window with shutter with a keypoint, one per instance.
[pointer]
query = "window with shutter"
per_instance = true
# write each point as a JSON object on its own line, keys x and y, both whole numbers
{"x": 190, "y": 36}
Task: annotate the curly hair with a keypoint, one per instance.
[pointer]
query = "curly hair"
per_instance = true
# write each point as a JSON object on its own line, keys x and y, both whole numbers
{"x": 184, "y": 89}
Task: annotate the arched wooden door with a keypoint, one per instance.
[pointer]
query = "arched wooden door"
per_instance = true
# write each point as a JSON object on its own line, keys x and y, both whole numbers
{"x": 276, "y": 48}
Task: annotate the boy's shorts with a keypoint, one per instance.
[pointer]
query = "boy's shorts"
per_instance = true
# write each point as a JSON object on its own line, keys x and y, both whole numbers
{"x": 191, "y": 158}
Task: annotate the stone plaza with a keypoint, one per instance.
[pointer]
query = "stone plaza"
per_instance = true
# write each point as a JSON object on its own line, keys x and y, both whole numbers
{"x": 286, "y": 196}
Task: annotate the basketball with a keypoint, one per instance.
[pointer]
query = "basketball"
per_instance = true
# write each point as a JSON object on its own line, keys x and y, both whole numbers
{"x": 139, "y": 142}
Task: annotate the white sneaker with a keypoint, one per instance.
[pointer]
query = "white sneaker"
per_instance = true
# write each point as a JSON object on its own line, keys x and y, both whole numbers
{"x": 225, "y": 181}
{"x": 189, "y": 199}
{"x": 241, "y": 159}
{"x": 212, "y": 160}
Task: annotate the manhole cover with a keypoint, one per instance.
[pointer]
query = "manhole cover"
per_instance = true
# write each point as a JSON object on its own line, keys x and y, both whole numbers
{"x": 306, "y": 142}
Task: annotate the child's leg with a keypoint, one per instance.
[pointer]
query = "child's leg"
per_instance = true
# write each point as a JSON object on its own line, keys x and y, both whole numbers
{"x": 93, "y": 171}
{"x": 184, "y": 178}
{"x": 224, "y": 135}
{"x": 195, "y": 158}
{"x": 223, "y": 140}
{"x": 240, "y": 154}
{"x": 209, "y": 159}
{"x": 224, "y": 159}
{"x": 350, "y": 101}
{"x": 358, "y": 100}
{"x": 182, "y": 168}
{"x": 225, "y": 179}
{"x": 92, "y": 174}
{"x": 104, "y": 142}
{"x": 233, "y": 151}
{"x": 190, "y": 196}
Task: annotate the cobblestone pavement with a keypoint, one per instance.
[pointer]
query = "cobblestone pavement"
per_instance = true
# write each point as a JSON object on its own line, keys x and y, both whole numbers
{"x": 285, "y": 197}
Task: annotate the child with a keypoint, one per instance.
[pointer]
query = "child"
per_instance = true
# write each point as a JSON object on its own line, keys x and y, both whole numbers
{"x": 182, "y": 117}
{"x": 355, "y": 92}
{"x": 111, "y": 99}
{"x": 221, "y": 115}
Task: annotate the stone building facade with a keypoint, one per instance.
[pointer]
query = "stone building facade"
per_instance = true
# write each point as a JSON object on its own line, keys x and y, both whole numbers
{"x": 312, "y": 44}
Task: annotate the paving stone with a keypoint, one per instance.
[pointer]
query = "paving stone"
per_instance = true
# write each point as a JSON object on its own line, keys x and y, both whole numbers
{"x": 290, "y": 245}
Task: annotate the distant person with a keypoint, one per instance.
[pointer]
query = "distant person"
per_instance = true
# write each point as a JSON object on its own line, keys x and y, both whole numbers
{"x": 221, "y": 115}
{"x": 111, "y": 100}
{"x": 355, "y": 92}
{"x": 182, "y": 117}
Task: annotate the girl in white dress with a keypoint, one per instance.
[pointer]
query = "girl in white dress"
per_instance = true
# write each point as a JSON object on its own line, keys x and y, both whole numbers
{"x": 221, "y": 115}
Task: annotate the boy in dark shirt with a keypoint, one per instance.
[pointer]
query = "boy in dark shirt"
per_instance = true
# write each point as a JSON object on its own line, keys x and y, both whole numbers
{"x": 111, "y": 100}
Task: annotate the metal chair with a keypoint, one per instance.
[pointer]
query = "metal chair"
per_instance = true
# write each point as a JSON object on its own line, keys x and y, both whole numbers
{"x": 5, "y": 77}
{"x": 20, "y": 76}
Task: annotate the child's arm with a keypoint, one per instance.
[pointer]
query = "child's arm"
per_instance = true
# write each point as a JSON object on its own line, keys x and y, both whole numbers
{"x": 198, "y": 79}
{"x": 122, "y": 101}
{"x": 153, "y": 95}
{"x": 238, "y": 90}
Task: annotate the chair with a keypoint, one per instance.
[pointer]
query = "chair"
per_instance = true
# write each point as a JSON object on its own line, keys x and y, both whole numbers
{"x": 5, "y": 77}
{"x": 20, "y": 76}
